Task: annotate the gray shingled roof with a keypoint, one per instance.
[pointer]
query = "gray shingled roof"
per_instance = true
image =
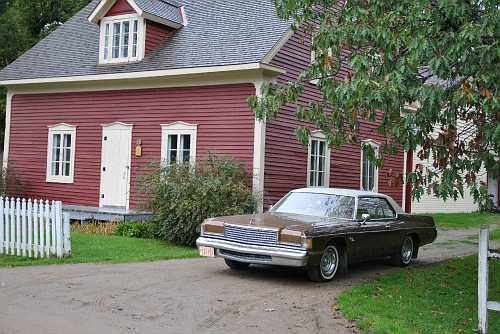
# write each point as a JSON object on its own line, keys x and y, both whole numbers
{"x": 219, "y": 33}
{"x": 168, "y": 10}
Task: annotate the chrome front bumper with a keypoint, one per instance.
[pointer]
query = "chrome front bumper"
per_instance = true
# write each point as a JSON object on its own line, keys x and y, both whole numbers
{"x": 280, "y": 256}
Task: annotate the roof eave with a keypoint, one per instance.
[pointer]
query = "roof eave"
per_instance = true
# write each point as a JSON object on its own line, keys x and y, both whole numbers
{"x": 161, "y": 20}
{"x": 267, "y": 69}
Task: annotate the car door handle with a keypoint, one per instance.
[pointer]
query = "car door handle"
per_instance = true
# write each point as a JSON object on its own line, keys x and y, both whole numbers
{"x": 388, "y": 227}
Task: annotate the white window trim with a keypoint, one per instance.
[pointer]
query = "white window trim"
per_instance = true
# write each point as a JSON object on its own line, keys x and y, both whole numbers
{"x": 141, "y": 38}
{"x": 313, "y": 59}
{"x": 320, "y": 136}
{"x": 62, "y": 129}
{"x": 179, "y": 128}
{"x": 376, "y": 146}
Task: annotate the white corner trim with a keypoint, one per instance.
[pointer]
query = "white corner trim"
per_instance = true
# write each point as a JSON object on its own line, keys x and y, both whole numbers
{"x": 6, "y": 144}
{"x": 277, "y": 47}
{"x": 405, "y": 171}
{"x": 259, "y": 152}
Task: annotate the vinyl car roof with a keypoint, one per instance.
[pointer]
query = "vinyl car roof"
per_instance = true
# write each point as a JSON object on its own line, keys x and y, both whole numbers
{"x": 349, "y": 192}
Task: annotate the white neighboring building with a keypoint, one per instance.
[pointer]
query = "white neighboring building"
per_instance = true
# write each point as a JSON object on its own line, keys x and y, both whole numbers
{"x": 432, "y": 204}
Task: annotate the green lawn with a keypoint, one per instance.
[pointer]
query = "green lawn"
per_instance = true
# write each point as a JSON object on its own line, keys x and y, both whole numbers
{"x": 465, "y": 220}
{"x": 441, "y": 299}
{"x": 86, "y": 248}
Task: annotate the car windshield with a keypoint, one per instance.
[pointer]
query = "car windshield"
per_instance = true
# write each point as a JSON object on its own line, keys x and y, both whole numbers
{"x": 316, "y": 204}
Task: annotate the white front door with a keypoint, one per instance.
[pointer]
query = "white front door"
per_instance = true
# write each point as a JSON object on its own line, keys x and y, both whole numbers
{"x": 115, "y": 165}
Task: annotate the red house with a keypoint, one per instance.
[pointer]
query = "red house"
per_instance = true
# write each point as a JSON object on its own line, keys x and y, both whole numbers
{"x": 127, "y": 81}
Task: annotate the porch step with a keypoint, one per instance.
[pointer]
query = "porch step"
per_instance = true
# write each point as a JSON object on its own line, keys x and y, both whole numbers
{"x": 80, "y": 212}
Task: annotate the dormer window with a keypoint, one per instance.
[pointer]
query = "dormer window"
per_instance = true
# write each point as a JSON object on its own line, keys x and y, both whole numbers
{"x": 130, "y": 29}
{"x": 122, "y": 39}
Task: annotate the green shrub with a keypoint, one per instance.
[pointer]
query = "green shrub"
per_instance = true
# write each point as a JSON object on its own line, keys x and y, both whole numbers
{"x": 11, "y": 184}
{"x": 181, "y": 196}
{"x": 143, "y": 230}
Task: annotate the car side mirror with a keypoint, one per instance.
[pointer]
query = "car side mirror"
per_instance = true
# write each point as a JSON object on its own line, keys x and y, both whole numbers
{"x": 366, "y": 217}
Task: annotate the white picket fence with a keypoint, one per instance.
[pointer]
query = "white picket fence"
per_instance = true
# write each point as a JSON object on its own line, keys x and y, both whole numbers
{"x": 483, "y": 303}
{"x": 33, "y": 228}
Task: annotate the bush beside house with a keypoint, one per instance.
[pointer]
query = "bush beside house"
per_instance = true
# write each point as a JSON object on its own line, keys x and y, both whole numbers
{"x": 181, "y": 196}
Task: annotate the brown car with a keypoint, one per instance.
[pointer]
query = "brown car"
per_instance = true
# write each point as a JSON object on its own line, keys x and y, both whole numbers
{"x": 319, "y": 229}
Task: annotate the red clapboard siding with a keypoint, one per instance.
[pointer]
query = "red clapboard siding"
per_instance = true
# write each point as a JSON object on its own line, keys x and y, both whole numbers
{"x": 121, "y": 7}
{"x": 225, "y": 126}
{"x": 284, "y": 150}
{"x": 155, "y": 33}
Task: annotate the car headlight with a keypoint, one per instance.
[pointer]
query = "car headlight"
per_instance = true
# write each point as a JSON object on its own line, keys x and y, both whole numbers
{"x": 212, "y": 227}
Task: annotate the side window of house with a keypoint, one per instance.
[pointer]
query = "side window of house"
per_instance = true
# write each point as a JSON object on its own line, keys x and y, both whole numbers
{"x": 376, "y": 207}
{"x": 313, "y": 59}
{"x": 61, "y": 153}
{"x": 178, "y": 144}
{"x": 369, "y": 172}
{"x": 318, "y": 167}
{"x": 122, "y": 39}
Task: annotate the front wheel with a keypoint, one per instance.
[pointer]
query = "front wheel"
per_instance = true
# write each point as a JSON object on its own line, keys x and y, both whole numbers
{"x": 405, "y": 254}
{"x": 236, "y": 264}
{"x": 327, "y": 267}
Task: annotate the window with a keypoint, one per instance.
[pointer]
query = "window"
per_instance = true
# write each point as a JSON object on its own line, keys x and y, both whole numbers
{"x": 178, "y": 143}
{"x": 318, "y": 165}
{"x": 376, "y": 207}
{"x": 61, "y": 153}
{"x": 122, "y": 39}
{"x": 325, "y": 69}
{"x": 369, "y": 172}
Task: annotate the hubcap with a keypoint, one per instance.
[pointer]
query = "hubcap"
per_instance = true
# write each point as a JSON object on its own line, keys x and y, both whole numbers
{"x": 329, "y": 262}
{"x": 407, "y": 250}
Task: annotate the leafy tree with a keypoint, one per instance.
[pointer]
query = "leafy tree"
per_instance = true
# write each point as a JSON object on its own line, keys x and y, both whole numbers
{"x": 24, "y": 23}
{"x": 441, "y": 56}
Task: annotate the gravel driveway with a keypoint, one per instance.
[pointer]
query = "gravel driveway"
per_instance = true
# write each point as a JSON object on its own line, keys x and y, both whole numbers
{"x": 188, "y": 296}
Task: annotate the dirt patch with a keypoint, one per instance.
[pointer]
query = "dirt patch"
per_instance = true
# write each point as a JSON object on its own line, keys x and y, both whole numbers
{"x": 189, "y": 296}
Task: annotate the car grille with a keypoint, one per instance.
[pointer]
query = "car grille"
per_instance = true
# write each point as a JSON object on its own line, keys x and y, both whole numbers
{"x": 251, "y": 235}
{"x": 244, "y": 256}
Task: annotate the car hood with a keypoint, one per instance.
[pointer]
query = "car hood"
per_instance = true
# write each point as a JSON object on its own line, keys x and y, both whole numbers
{"x": 288, "y": 221}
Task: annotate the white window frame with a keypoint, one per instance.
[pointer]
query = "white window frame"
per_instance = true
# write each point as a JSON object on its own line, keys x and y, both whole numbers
{"x": 313, "y": 58}
{"x": 141, "y": 39}
{"x": 61, "y": 129}
{"x": 320, "y": 137}
{"x": 178, "y": 128}
{"x": 376, "y": 146}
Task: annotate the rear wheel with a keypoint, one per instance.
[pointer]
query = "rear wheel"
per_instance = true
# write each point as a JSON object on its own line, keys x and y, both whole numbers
{"x": 327, "y": 267}
{"x": 236, "y": 264}
{"x": 405, "y": 254}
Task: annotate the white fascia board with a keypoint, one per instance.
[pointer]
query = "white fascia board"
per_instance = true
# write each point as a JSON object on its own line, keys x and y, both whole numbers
{"x": 137, "y": 9}
{"x": 105, "y": 5}
{"x": 160, "y": 20}
{"x": 277, "y": 47}
{"x": 102, "y": 8}
{"x": 270, "y": 69}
